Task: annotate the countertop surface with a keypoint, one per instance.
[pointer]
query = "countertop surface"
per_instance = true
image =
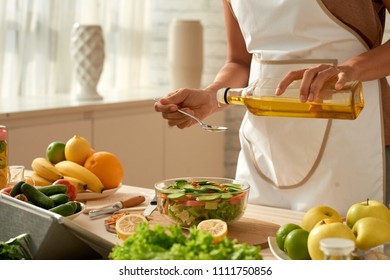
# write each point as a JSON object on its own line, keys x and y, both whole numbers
{"x": 262, "y": 213}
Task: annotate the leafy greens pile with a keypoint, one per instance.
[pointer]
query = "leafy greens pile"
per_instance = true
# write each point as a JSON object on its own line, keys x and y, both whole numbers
{"x": 170, "y": 243}
{"x": 16, "y": 248}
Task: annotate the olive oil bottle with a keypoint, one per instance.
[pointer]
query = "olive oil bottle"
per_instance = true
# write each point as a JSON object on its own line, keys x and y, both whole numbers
{"x": 260, "y": 99}
{"x": 3, "y": 157}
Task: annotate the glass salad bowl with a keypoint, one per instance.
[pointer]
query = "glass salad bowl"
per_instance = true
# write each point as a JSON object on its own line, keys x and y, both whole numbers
{"x": 188, "y": 201}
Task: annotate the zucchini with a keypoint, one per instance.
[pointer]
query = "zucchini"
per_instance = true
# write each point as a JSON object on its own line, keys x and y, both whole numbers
{"x": 16, "y": 189}
{"x": 65, "y": 209}
{"x": 36, "y": 197}
{"x": 60, "y": 198}
{"x": 53, "y": 189}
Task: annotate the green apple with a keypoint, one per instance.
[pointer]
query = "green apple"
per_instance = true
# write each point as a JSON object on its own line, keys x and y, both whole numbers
{"x": 282, "y": 233}
{"x": 326, "y": 230}
{"x": 318, "y": 213}
{"x": 371, "y": 232}
{"x": 368, "y": 208}
{"x": 295, "y": 244}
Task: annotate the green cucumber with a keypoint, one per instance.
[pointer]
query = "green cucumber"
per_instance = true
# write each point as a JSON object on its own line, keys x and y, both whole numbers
{"x": 59, "y": 198}
{"x": 65, "y": 209}
{"x": 16, "y": 189}
{"x": 210, "y": 197}
{"x": 175, "y": 195}
{"x": 53, "y": 189}
{"x": 79, "y": 207}
{"x": 36, "y": 197}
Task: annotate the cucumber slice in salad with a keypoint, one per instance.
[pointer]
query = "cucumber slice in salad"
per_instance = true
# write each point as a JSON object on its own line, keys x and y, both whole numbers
{"x": 175, "y": 195}
{"x": 210, "y": 197}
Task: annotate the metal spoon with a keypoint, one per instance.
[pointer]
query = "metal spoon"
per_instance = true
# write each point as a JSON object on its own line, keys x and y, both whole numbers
{"x": 208, "y": 127}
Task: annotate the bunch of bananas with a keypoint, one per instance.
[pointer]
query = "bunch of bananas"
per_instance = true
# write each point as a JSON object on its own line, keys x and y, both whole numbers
{"x": 45, "y": 173}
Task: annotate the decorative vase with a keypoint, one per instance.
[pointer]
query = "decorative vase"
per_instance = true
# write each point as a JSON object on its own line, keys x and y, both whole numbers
{"x": 185, "y": 53}
{"x": 87, "y": 46}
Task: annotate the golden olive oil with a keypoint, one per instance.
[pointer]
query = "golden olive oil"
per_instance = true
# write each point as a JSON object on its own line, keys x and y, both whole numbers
{"x": 344, "y": 104}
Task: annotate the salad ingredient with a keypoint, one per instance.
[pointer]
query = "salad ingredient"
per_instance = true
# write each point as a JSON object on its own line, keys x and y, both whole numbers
{"x": 16, "y": 248}
{"x": 170, "y": 243}
{"x": 217, "y": 228}
{"x": 36, "y": 197}
{"x": 189, "y": 202}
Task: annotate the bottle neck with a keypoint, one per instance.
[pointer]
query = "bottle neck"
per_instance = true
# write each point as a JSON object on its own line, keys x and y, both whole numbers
{"x": 230, "y": 95}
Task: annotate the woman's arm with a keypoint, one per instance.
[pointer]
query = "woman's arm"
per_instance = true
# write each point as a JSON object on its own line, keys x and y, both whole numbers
{"x": 371, "y": 65}
{"x": 203, "y": 102}
{"x": 235, "y": 71}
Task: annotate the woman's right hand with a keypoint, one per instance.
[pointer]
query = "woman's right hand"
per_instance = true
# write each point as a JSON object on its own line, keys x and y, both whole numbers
{"x": 198, "y": 102}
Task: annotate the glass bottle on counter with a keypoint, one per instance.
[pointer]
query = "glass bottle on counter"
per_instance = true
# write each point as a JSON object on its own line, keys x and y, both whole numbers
{"x": 260, "y": 99}
{"x": 3, "y": 157}
{"x": 337, "y": 248}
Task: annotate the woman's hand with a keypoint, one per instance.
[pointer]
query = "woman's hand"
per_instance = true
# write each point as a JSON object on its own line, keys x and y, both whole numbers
{"x": 198, "y": 102}
{"x": 314, "y": 78}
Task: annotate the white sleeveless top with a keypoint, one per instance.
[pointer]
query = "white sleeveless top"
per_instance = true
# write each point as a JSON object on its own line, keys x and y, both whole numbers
{"x": 297, "y": 163}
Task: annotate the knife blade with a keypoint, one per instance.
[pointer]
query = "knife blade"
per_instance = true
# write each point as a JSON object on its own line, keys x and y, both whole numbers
{"x": 151, "y": 207}
{"x": 130, "y": 202}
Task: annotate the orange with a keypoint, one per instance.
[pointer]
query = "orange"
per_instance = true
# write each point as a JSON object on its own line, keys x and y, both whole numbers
{"x": 107, "y": 167}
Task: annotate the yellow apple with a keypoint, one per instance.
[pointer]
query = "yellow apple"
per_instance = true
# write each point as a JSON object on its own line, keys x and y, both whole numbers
{"x": 368, "y": 208}
{"x": 318, "y": 213}
{"x": 327, "y": 221}
{"x": 371, "y": 232}
{"x": 339, "y": 230}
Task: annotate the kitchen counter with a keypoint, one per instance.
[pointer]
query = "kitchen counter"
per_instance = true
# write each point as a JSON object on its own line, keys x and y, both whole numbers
{"x": 267, "y": 214}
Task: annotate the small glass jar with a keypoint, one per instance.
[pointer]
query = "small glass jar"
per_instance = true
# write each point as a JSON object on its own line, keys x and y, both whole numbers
{"x": 3, "y": 157}
{"x": 337, "y": 248}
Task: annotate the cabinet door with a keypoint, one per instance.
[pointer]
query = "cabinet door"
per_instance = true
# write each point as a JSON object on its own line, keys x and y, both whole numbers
{"x": 137, "y": 139}
{"x": 29, "y": 142}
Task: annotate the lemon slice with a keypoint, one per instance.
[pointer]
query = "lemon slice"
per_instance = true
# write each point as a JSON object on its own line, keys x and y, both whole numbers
{"x": 127, "y": 224}
{"x": 217, "y": 228}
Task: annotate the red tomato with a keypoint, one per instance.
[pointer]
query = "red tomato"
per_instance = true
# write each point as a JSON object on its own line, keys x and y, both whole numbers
{"x": 72, "y": 190}
{"x": 237, "y": 198}
{"x": 21, "y": 197}
{"x": 6, "y": 190}
{"x": 193, "y": 203}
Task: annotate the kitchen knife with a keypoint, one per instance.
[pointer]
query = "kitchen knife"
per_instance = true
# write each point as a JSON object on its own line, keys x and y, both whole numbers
{"x": 151, "y": 207}
{"x": 130, "y": 202}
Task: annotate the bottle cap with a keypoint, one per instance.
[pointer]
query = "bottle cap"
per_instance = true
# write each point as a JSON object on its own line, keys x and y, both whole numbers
{"x": 3, "y": 133}
{"x": 221, "y": 95}
{"x": 337, "y": 246}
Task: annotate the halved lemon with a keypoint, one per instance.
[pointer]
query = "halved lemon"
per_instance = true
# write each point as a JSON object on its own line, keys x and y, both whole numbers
{"x": 127, "y": 224}
{"x": 217, "y": 228}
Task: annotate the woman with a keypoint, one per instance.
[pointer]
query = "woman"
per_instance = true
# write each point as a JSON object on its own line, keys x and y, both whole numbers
{"x": 297, "y": 163}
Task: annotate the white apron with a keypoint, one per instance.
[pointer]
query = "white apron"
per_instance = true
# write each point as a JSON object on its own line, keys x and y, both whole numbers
{"x": 297, "y": 163}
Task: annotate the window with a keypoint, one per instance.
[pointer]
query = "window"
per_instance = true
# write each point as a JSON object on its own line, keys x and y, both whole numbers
{"x": 35, "y": 37}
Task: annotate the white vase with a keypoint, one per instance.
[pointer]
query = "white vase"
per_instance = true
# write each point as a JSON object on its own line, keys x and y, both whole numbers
{"x": 185, "y": 53}
{"x": 87, "y": 46}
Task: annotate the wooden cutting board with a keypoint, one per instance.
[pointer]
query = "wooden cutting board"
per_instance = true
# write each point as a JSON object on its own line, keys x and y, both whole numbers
{"x": 245, "y": 230}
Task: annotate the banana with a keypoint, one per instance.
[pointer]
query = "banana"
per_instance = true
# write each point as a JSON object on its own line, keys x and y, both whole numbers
{"x": 81, "y": 186}
{"x": 45, "y": 169}
{"x": 72, "y": 169}
{"x": 35, "y": 180}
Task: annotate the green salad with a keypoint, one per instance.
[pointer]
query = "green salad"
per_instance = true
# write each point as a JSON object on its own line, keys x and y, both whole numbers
{"x": 190, "y": 202}
{"x": 170, "y": 243}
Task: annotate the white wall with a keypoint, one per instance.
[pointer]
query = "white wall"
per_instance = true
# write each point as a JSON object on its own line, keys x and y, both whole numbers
{"x": 209, "y": 12}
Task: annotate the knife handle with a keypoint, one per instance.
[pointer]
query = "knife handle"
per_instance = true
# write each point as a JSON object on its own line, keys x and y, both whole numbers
{"x": 133, "y": 201}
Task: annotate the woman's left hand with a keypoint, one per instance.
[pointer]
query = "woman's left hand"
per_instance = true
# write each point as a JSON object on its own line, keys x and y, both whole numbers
{"x": 314, "y": 78}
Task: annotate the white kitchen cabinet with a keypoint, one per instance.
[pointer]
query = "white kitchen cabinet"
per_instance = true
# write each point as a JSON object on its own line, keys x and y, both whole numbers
{"x": 27, "y": 143}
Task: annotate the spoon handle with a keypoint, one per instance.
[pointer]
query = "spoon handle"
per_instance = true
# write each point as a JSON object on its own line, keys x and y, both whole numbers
{"x": 191, "y": 116}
